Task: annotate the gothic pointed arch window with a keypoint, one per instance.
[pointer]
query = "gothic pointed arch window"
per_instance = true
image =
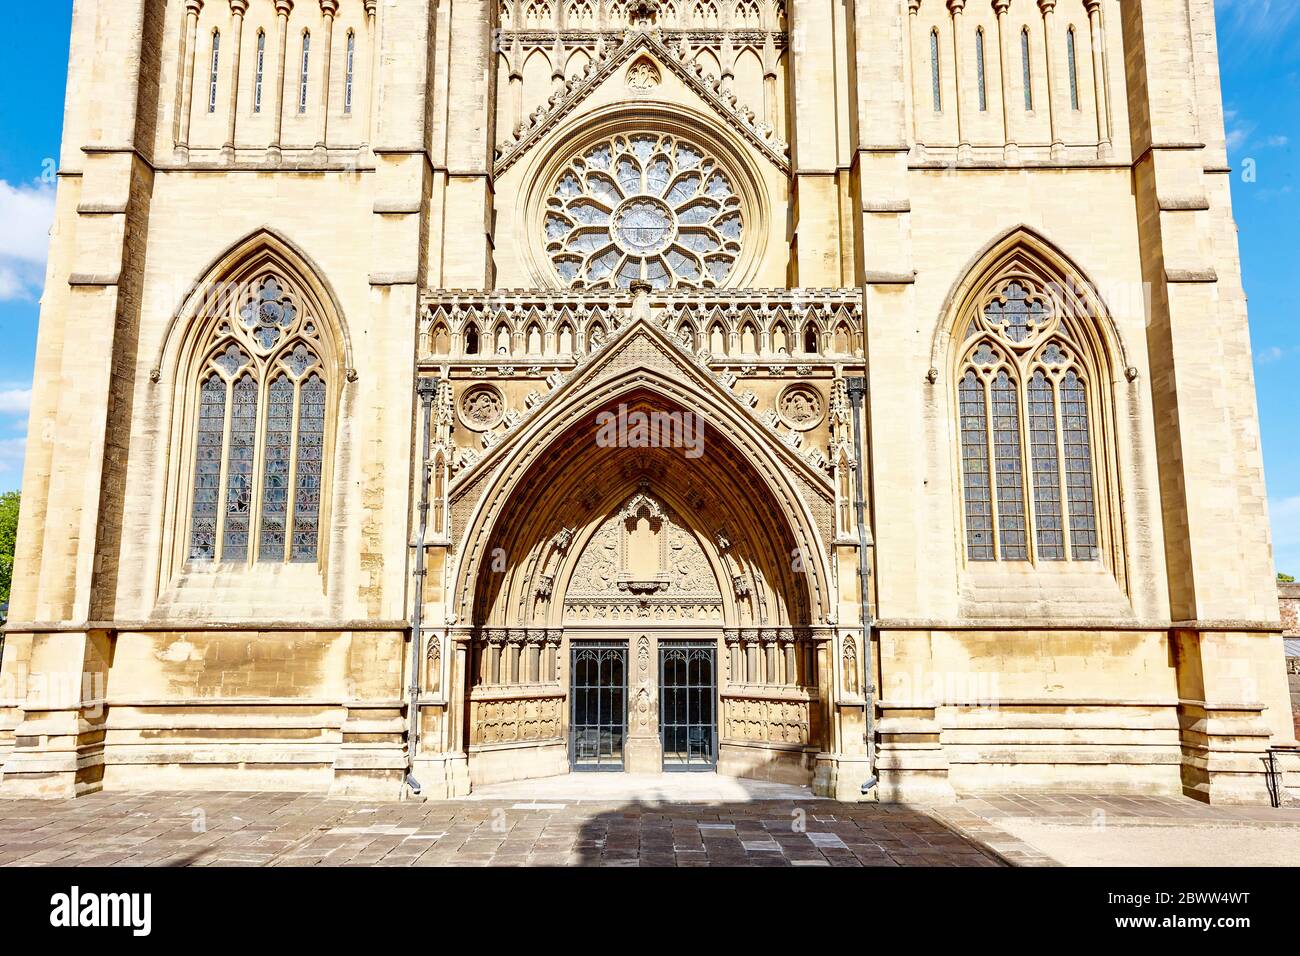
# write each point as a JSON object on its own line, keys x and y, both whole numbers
{"x": 264, "y": 378}
{"x": 259, "y": 71}
{"x": 1030, "y": 404}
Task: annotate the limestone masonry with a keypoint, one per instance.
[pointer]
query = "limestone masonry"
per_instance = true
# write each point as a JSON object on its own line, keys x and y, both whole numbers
{"x": 436, "y": 394}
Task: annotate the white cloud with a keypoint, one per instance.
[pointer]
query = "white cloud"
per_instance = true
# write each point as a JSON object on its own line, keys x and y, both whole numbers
{"x": 1238, "y": 133}
{"x": 15, "y": 401}
{"x": 27, "y": 213}
{"x": 1261, "y": 18}
{"x": 1285, "y": 516}
{"x": 1278, "y": 141}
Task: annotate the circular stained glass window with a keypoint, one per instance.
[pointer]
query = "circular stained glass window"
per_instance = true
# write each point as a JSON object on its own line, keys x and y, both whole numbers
{"x": 643, "y": 206}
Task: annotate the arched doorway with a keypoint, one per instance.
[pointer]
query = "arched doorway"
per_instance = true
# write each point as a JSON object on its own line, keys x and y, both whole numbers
{"x": 642, "y": 600}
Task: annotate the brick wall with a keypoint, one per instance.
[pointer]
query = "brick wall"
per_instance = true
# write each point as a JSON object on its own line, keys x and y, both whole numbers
{"x": 1288, "y": 599}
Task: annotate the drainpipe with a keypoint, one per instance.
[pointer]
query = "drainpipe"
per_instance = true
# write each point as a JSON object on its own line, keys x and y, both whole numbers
{"x": 426, "y": 388}
{"x": 857, "y": 389}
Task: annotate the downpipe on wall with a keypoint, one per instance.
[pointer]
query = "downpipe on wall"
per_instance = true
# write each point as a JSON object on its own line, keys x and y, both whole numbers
{"x": 427, "y": 389}
{"x": 857, "y": 389}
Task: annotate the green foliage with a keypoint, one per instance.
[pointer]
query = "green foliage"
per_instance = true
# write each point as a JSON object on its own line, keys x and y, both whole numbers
{"x": 8, "y": 533}
{"x": 1285, "y": 578}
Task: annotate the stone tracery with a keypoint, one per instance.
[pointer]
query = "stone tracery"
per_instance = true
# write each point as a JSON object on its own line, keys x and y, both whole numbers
{"x": 643, "y": 207}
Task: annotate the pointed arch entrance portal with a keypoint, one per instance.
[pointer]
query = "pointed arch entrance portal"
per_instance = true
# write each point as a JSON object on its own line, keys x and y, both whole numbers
{"x": 644, "y": 583}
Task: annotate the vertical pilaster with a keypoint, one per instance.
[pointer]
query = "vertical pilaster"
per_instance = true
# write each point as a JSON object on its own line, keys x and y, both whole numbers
{"x": 1048, "y": 9}
{"x": 815, "y": 249}
{"x": 467, "y": 230}
{"x": 90, "y": 347}
{"x": 1099, "y": 84}
{"x": 372, "y": 89}
{"x": 237, "y": 10}
{"x": 282, "y": 10}
{"x": 188, "y": 52}
{"x": 329, "y": 9}
{"x": 1221, "y": 584}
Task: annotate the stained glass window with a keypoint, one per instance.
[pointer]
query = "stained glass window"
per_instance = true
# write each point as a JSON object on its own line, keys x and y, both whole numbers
{"x": 979, "y": 71}
{"x": 275, "y": 484}
{"x": 1017, "y": 312}
{"x": 1028, "y": 77}
{"x": 307, "y": 485}
{"x": 1026, "y": 438}
{"x": 348, "y": 72}
{"x": 302, "y": 78}
{"x": 1073, "y": 64}
{"x": 207, "y": 468}
{"x": 1008, "y": 466}
{"x": 1046, "y": 468}
{"x": 259, "y": 72}
{"x": 261, "y": 420}
{"x": 934, "y": 71}
{"x": 975, "y": 469}
{"x": 239, "y": 469}
{"x": 216, "y": 60}
{"x": 1078, "y": 468}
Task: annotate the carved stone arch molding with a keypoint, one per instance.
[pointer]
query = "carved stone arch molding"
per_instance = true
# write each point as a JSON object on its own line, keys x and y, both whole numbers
{"x": 642, "y": 366}
{"x": 262, "y": 301}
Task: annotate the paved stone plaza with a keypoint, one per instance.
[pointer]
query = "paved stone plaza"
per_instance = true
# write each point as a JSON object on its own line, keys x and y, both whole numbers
{"x": 549, "y": 823}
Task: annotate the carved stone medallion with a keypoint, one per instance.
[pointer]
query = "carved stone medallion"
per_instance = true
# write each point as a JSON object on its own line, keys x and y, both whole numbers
{"x": 482, "y": 407}
{"x": 800, "y": 407}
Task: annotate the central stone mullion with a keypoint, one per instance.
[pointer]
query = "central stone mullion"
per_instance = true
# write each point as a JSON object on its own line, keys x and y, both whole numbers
{"x": 644, "y": 750}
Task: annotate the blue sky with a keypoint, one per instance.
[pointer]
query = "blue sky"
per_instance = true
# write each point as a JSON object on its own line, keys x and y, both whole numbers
{"x": 1260, "y": 54}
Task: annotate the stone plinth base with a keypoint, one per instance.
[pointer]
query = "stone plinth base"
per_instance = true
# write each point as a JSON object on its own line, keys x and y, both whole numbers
{"x": 441, "y": 776}
{"x": 506, "y": 762}
{"x": 759, "y": 761}
{"x": 643, "y": 755}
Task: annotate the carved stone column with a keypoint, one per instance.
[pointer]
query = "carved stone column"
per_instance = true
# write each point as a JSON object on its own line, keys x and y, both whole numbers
{"x": 643, "y": 751}
{"x": 1100, "y": 92}
{"x": 282, "y": 10}
{"x": 1048, "y": 7}
{"x": 237, "y": 10}
{"x": 328, "y": 9}
{"x": 189, "y": 49}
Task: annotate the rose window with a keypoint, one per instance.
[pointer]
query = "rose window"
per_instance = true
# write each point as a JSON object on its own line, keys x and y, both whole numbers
{"x": 643, "y": 206}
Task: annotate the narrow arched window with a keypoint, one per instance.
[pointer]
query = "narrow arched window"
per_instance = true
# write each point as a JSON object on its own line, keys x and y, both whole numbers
{"x": 471, "y": 340}
{"x": 980, "y": 80}
{"x": 263, "y": 392}
{"x": 303, "y": 73}
{"x": 810, "y": 339}
{"x": 934, "y": 71}
{"x": 216, "y": 64}
{"x": 348, "y": 72}
{"x": 259, "y": 71}
{"x": 1024, "y": 414}
{"x": 1026, "y": 70}
{"x": 1073, "y": 64}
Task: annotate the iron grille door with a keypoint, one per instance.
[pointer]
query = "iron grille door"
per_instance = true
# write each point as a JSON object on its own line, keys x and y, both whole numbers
{"x": 598, "y": 715}
{"x": 687, "y": 711}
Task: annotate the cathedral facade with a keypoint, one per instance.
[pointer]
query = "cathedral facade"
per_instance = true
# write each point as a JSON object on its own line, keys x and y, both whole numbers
{"x": 433, "y": 393}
